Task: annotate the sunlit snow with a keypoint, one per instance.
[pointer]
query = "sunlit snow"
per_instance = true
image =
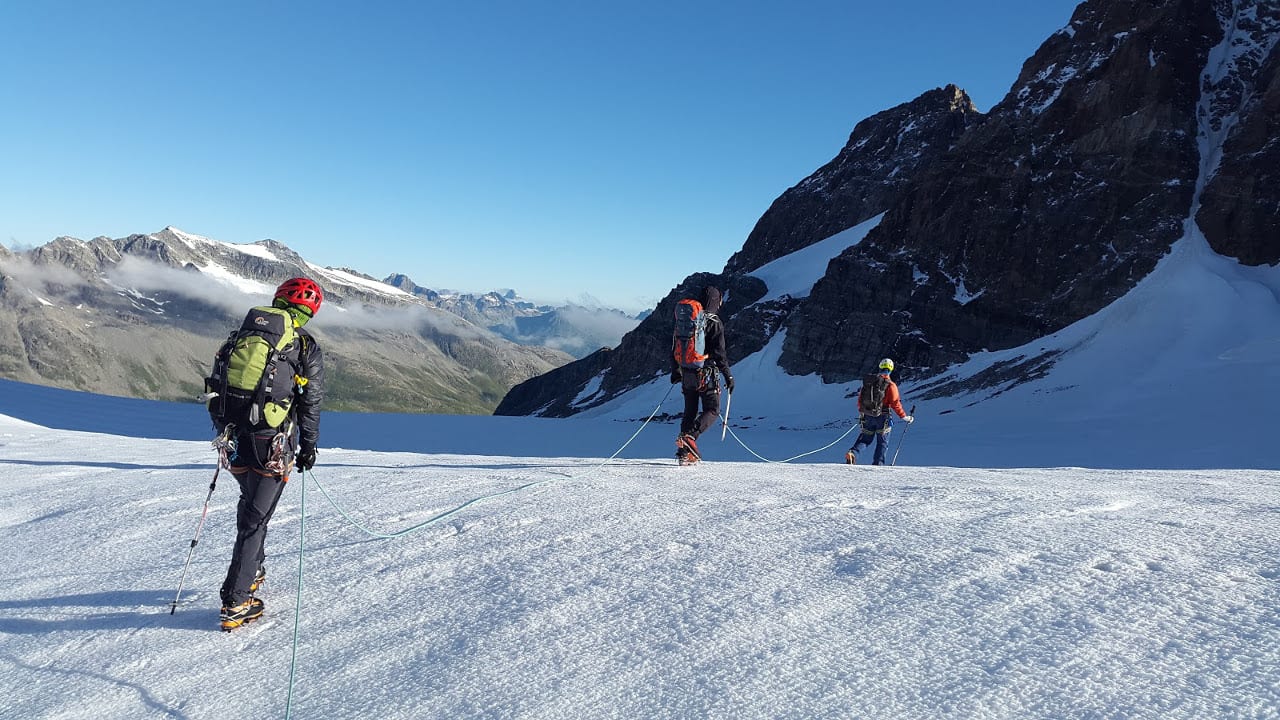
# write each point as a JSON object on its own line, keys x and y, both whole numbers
{"x": 534, "y": 584}
{"x": 796, "y": 273}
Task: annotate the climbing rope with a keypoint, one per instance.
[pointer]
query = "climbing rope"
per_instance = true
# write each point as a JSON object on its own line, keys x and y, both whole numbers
{"x": 297, "y": 607}
{"x": 297, "y": 604}
{"x": 449, "y": 513}
{"x": 797, "y": 457}
{"x": 309, "y": 475}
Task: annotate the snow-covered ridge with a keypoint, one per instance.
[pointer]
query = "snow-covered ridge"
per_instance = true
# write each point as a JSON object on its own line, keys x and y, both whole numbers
{"x": 199, "y": 242}
{"x": 348, "y": 278}
{"x": 794, "y": 274}
{"x": 246, "y": 285}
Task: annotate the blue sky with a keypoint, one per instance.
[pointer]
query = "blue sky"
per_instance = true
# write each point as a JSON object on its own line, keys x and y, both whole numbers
{"x": 564, "y": 149}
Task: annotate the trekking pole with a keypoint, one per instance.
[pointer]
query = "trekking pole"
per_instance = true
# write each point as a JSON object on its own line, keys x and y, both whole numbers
{"x": 173, "y": 606}
{"x": 903, "y": 437}
{"x": 222, "y": 443}
{"x": 727, "y": 403}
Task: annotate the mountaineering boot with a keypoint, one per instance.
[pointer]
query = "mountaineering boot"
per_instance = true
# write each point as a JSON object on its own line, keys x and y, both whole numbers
{"x": 686, "y": 450}
{"x": 850, "y": 458}
{"x": 246, "y": 612}
{"x": 258, "y": 579}
{"x": 691, "y": 445}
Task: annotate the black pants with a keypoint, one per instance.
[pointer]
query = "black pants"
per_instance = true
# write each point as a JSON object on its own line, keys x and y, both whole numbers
{"x": 259, "y": 493}
{"x": 708, "y": 396}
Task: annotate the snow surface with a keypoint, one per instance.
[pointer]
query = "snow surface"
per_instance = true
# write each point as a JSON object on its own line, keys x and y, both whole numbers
{"x": 188, "y": 239}
{"x": 560, "y": 587}
{"x": 246, "y": 285}
{"x": 196, "y": 241}
{"x": 796, "y": 273}
{"x": 352, "y": 279}
{"x": 260, "y": 251}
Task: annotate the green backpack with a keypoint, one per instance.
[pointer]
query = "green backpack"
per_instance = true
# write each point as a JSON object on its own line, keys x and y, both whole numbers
{"x": 254, "y": 372}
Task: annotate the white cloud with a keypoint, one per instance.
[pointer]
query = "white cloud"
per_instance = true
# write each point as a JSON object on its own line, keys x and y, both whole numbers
{"x": 37, "y": 277}
{"x": 147, "y": 276}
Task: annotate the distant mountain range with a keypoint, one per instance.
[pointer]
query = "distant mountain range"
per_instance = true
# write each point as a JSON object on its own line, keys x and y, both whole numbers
{"x": 945, "y": 232}
{"x": 575, "y": 329}
{"x": 141, "y": 316}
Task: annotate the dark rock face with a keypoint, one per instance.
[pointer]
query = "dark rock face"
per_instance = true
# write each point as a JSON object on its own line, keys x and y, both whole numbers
{"x": 1240, "y": 208}
{"x": 883, "y": 155}
{"x": 403, "y": 282}
{"x": 552, "y": 394}
{"x": 1065, "y": 195}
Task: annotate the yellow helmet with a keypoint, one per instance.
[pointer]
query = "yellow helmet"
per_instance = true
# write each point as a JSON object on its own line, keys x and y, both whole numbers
{"x": 886, "y": 364}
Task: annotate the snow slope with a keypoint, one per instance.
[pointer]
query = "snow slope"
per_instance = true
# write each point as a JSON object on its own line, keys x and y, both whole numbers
{"x": 555, "y": 587}
{"x": 794, "y": 274}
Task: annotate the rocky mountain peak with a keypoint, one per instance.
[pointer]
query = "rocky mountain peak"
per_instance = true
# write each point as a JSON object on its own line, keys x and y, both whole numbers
{"x": 882, "y": 156}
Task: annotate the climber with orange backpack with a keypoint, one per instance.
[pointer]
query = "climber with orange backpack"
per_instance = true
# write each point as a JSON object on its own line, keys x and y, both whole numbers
{"x": 698, "y": 360}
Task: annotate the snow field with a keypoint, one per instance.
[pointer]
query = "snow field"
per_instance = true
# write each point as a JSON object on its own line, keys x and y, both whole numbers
{"x": 639, "y": 589}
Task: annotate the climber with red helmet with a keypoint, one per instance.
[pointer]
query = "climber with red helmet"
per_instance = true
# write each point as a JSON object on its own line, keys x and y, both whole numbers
{"x": 264, "y": 398}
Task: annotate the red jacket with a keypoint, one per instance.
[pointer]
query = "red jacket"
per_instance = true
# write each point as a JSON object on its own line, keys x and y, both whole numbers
{"x": 892, "y": 399}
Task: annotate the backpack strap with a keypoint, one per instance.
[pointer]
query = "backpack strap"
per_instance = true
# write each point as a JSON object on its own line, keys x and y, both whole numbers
{"x": 217, "y": 382}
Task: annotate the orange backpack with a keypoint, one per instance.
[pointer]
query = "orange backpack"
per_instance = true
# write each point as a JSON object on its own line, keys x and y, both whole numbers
{"x": 690, "y": 342}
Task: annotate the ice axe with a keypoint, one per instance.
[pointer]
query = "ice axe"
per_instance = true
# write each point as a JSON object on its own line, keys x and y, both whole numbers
{"x": 903, "y": 437}
{"x": 728, "y": 401}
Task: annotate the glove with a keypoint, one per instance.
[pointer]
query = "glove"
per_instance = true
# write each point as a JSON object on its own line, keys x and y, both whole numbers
{"x": 909, "y": 419}
{"x": 676, "y": 376}
{"x": 306, "y": 458}
{"x": 728, "y": 382}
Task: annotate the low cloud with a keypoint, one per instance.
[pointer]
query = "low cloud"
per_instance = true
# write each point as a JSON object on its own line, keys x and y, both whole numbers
{"x": 148, "y": 276}
{"x": 410, "y": 319}
{"x": 599, "y": 323}
{"x": 587, "y": 329}
{"x": 42, "y": 278}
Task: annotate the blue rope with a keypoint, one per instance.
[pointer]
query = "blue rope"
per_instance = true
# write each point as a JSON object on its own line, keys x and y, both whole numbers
{"x": 297, "y": 605}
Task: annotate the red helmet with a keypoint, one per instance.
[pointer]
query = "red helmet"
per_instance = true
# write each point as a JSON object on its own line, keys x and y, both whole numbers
{"x": 300, "y": 291}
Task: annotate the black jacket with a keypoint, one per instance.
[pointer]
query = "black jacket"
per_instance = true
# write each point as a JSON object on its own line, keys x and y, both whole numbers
{"x": 307, "y": 399}
{"x": 716, "y": 354}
